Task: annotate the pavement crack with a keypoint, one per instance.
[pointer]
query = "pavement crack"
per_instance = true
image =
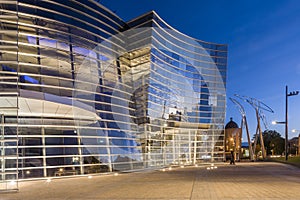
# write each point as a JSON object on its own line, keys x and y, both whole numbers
{"x": 194, "y": 180}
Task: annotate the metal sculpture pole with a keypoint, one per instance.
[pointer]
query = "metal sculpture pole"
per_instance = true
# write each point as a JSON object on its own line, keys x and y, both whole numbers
{"x": 249, "y": 140}
{"x": 263, "y": 150}
{"x": 255, "y": 140}
{"x": 244, "y": 122}
{"x": 258, "y": 106}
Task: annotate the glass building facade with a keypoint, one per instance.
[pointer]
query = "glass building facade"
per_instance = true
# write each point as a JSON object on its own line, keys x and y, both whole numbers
{"x": 84, "y": 92}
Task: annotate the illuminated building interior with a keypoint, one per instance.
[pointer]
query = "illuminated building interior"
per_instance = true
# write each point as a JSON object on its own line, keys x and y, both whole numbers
{"x": 84, "y": 92}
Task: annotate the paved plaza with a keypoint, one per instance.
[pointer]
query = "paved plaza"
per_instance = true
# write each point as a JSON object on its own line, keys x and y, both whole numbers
{"x": 259, "y": 180}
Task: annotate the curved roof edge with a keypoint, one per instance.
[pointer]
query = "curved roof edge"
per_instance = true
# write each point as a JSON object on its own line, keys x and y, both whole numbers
{"x": 231, "y": 124}
{"x": 152, "y": 12}
{"x": 98, "y": 3}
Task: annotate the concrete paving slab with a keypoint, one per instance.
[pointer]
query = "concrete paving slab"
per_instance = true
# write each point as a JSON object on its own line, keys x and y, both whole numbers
{"x": 258, "y": 180}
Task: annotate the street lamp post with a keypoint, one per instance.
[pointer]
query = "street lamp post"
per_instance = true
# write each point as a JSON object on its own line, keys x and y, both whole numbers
{"x": 287, "y": 94}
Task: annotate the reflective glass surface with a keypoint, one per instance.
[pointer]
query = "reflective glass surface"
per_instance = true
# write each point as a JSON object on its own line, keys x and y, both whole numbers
{"x": 90, "y": 93}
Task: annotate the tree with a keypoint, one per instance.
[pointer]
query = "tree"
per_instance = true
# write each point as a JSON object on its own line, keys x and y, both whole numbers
{"x": 273, "y": 141}
{"x": 277, "y": 145}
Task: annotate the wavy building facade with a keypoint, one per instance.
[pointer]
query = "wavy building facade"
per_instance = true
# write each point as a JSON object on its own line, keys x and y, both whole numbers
{"x": 84, "y": 92}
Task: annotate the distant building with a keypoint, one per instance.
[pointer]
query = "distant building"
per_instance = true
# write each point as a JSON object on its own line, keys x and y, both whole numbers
{"x": 294, "y": 145}
{"x": 233, "y": 140}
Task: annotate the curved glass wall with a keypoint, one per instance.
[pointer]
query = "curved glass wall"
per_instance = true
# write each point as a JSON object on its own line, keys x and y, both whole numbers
{"x": 59, "y": 133}
{"x": 90, "y": 93}
{"x": 184, "y": 88}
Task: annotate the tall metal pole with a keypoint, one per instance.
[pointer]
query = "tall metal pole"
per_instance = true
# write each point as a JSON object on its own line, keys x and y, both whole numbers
{"x": 255, "y": 142}
{"x": 298, "y": 144}
{"x": 249, "y": 140}
{"x": 263, "y": 151}
{"x": 286, "y": 123}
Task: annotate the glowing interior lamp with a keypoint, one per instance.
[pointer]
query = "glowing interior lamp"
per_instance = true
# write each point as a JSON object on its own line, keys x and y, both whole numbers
{"x": 12, "y": 182}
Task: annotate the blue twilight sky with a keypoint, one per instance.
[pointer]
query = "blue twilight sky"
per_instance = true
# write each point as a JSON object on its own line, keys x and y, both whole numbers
{"x": 263, "y": 40}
